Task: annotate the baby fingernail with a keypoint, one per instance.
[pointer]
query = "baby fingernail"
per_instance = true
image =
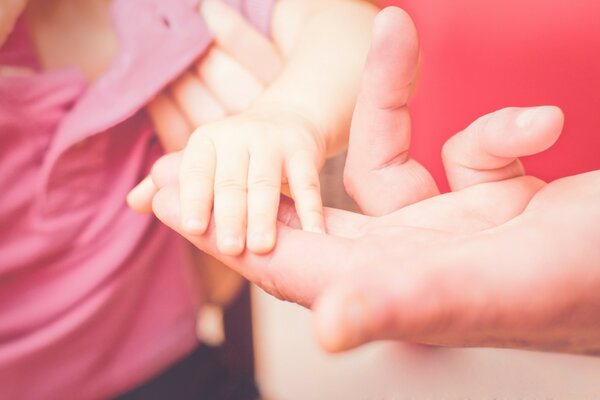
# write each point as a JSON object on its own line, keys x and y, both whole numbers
{"x": 261, "y": 241}
{"x": 231, "y": 244}
{"x": 194, "y": 226}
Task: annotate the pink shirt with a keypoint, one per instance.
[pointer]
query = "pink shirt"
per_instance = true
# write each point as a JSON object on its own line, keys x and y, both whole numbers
{"x": 95, "y": 299}
{"x": 479, "y": 56}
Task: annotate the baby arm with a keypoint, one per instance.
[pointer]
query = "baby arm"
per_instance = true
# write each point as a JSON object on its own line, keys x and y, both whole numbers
{"x": 237, "y": 165}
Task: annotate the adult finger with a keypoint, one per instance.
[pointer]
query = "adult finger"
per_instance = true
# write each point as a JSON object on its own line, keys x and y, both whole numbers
{"x": 493, "y": 289}
{"x": 233, "y": 34}
{"x": 472, "y": 209}
{"x": 234, "y": 87}
{"x": 140, "y": 197}
{"x": 298, "y": 269}
{"x": 171, "y": 126}
{"x": 195, "y": 100}
{"x": 379, "y": 174}
{"x": 488, "y": 150}
{"x": 164, "y": 172}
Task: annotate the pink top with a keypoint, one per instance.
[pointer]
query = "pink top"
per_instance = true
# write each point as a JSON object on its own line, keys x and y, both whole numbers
{"x": 479, "y": 56}
{"x": 95, "y": 299}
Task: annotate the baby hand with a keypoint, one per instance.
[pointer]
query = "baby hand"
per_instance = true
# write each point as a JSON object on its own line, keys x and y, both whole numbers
{"x": 223, "y": 82}
{"x": 238, "y": 165}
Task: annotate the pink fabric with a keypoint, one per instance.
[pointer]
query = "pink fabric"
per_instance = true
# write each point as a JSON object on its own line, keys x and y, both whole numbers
{"x": 95, "y": 299}
{"x": 479, "y": 56}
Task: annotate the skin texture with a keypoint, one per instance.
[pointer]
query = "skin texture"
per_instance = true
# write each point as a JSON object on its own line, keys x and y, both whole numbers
{"x": 225, "y": 84}
{"x": 199, "y": 96}
{"x": 9, "y": 12}
{"x": 505, "y": 260}
{"x": 237, "y": 165}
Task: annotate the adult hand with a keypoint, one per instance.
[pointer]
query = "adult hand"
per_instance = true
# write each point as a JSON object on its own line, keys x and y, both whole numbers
{"x": 237, "y": 68}
{"x": 505, "y": 261}
{"x": 234, "y": 72}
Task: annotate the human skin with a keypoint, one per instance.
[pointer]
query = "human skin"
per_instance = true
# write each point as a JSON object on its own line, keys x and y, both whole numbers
{"x": 226, "y": 81}
{"x": 9, "y": 12}
{"x": 505, "y": 260}
{"x": 187, "y": 102}
{"x": 237, "y": 165}
{"x": 240, "y": 79}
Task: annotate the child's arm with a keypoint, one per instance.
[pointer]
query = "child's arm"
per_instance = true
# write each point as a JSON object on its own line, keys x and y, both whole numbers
{"x": 285, "y": 136}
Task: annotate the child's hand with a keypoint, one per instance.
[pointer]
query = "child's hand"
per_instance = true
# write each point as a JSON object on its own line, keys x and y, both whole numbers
{"x": 224, "y": 82}
{"x": 241, "y": 162}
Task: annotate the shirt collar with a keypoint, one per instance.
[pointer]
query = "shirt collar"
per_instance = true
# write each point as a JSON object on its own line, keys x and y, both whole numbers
{"x": 157, "y": 41}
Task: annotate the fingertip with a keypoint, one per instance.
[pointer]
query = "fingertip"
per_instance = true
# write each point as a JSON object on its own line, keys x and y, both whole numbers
{"x": 165, "y": 206}
{"x": 548, "y": 126}
{"x": 549, "y": 121}
{"x": 390, "y": 19}
{"x": 192, "y": 220}
{"x": 195, "y": 226}
{"x": 313, "y": 220}
{"x": 315, "y": 229}
{"x": 394, "y": 29}
{"x": 340, "y": 320}
{"x": 518, "y": 132}
{"x": 532, "y": 116}
{"x": 231, "y": 244}
{"x": 140, "y": 197}
{"x": 261, "y": 242}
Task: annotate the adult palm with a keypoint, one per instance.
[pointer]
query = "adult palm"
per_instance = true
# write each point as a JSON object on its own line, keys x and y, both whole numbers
{"x": 505, "y": 260}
